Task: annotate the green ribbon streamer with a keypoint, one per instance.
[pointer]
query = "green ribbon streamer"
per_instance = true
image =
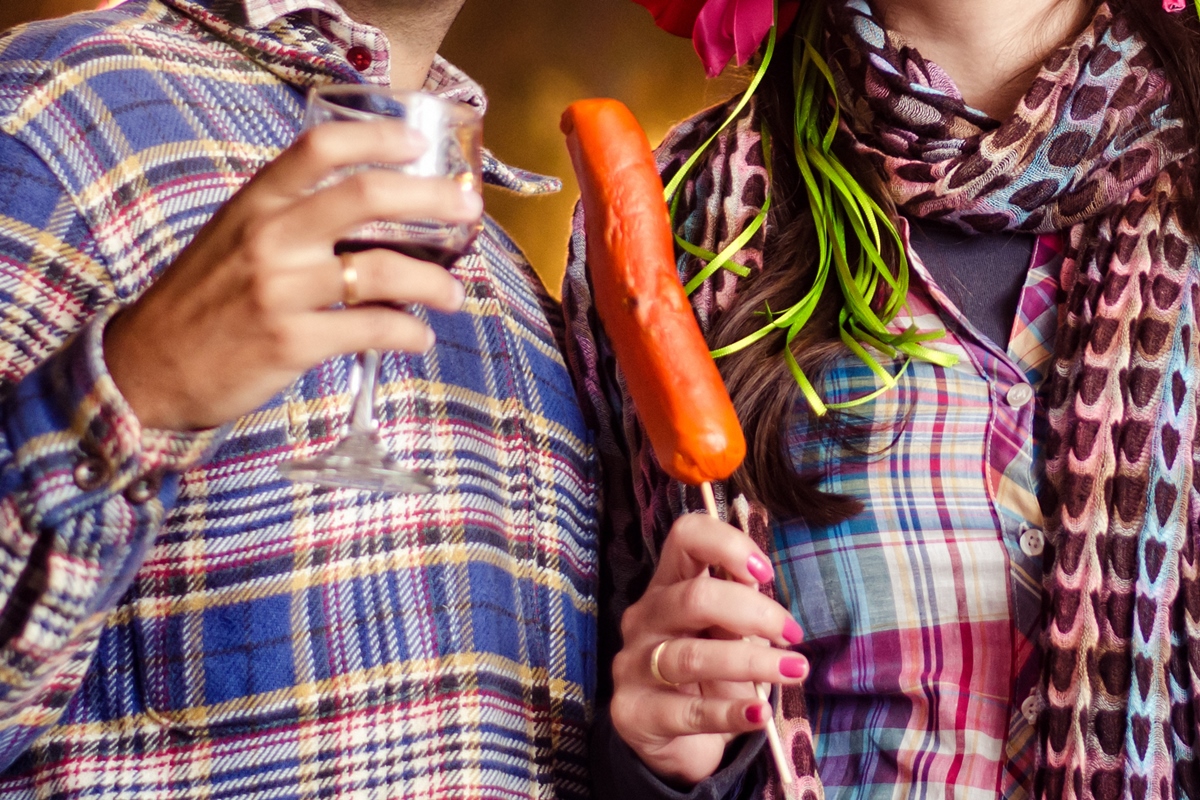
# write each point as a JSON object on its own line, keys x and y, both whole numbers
{"x": 671, "y": 193}
{"x": 841, "y": 208}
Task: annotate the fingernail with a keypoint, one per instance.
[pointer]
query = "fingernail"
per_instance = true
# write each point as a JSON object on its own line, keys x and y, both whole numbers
{"x": 792, "y": 632}
{"x": 793, "y": 668}
{"x": 460, "y": 295}
{"x": 756, "y": 714}
{"x": 760, "y": 569}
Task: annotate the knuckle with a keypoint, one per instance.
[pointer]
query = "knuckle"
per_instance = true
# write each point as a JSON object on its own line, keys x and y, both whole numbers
{"x": 391, "y": 137}
{"x": 364, "y": 189}
{"x": 624, "y": 710}
{"x": 689, "y": 660}
{"x": 688, "y": 528}
{"x": 377, "y": 273}
{"x": 258, "y": 245}
{"x": 261, "y": 293}
{"x": 631, "y": 622}
{"x": 356, "y": 187}
{"x": 752, "y": 662}
{"x": 316, "y": 144}
{"x": 696, "y": 595}
{"x": 693, "y": 714}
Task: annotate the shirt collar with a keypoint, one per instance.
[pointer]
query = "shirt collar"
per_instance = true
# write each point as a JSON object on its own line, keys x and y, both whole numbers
{"x": 304, "y": 42}
{"x": 445, "y": 80}
{"x": 261, "y": 13}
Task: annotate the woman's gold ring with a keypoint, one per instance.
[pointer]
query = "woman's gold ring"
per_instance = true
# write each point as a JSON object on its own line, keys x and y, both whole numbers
{"x": 654, "y": 670}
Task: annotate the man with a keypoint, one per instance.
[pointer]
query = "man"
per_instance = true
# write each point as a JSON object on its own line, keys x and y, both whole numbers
{"x": 176, "y": 619}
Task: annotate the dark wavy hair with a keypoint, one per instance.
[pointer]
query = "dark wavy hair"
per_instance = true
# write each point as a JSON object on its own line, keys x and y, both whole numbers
{"x": 763, "y": 390}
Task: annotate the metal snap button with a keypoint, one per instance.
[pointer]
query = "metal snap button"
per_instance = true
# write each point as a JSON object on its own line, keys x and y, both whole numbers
{"x": 1019, "y": 395}
{"x": 91, "y": 473}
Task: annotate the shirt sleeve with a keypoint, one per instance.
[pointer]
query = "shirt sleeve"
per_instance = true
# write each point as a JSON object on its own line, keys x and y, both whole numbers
{"x": 618, "y": 772}
{"x": 83, "y": 487}
{"x": 626, "y": 565}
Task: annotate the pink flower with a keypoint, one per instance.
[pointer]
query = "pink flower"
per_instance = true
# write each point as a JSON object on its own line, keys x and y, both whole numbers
{"x": 721, "y": 29}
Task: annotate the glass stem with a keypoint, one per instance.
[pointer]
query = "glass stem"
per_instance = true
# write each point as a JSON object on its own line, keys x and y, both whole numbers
{"x": 362, "y": 413}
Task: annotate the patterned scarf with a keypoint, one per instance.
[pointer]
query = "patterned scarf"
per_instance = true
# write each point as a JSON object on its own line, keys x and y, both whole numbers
{"x": 1093, "y": 152}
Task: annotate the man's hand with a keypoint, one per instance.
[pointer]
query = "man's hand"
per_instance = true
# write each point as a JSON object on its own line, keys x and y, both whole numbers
{"x": 246, "y": 308}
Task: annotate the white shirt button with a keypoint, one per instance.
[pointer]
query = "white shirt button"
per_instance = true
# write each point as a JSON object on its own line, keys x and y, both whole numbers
{"x": 1033, "y": 542}
{"x": 1030, "y": 708}
{"x": 1019, "y": 395}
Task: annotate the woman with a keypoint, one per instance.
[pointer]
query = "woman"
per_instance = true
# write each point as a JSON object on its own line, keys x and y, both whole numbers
{"x": 988, "y": 538}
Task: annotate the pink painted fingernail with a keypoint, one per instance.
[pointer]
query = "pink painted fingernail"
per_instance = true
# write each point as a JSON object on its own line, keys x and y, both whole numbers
{"x": 793, "y": 668}
{"x": 760, "y": 569}
{"x": 755, "y": 715}
{"x": 792, "y": 632}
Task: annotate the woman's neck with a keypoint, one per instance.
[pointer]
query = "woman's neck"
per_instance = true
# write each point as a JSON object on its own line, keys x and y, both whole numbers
{"x": 992, "y": 49}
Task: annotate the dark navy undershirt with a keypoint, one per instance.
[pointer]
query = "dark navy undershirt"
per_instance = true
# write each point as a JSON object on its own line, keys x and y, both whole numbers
{"x": 982, "y": 274}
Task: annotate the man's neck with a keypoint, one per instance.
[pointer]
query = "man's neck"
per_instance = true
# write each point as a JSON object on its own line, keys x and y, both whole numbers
{"x": 992, "y": 49}
{"x": 414, "y": 28}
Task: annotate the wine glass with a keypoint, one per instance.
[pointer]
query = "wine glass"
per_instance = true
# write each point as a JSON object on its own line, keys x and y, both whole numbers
{"x": 454, "y": 133}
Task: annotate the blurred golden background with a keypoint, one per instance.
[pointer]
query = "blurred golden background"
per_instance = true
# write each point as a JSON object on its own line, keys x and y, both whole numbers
{"x": 534, "y": 57}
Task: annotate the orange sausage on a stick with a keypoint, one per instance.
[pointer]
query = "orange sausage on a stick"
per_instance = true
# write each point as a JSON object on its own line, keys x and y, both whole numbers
{"x": 676, "y": 389}
{"x": 675, "y": 386}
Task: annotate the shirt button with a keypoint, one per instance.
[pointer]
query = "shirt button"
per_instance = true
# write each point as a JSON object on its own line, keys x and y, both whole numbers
{"x": 360, "y": 58}
{"x": 1020, "y": 395}
{"x": 1029, "y": 709}
{"x": 1033, "y": 542}
{"x": 143, "y": 489}
{"x": 90, "y": 474}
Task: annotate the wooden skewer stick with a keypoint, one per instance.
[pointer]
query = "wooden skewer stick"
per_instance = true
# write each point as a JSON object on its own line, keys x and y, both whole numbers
{"x": 764, "y": 691}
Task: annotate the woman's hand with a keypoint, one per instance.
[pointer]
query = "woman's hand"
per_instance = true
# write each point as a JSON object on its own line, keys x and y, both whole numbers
{"x": 245, "y": 309}
{"x": 711, "y": 638}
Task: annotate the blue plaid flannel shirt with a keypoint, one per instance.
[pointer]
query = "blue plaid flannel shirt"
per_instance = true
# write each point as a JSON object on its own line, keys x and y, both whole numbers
{"x": 176, "y": 619}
